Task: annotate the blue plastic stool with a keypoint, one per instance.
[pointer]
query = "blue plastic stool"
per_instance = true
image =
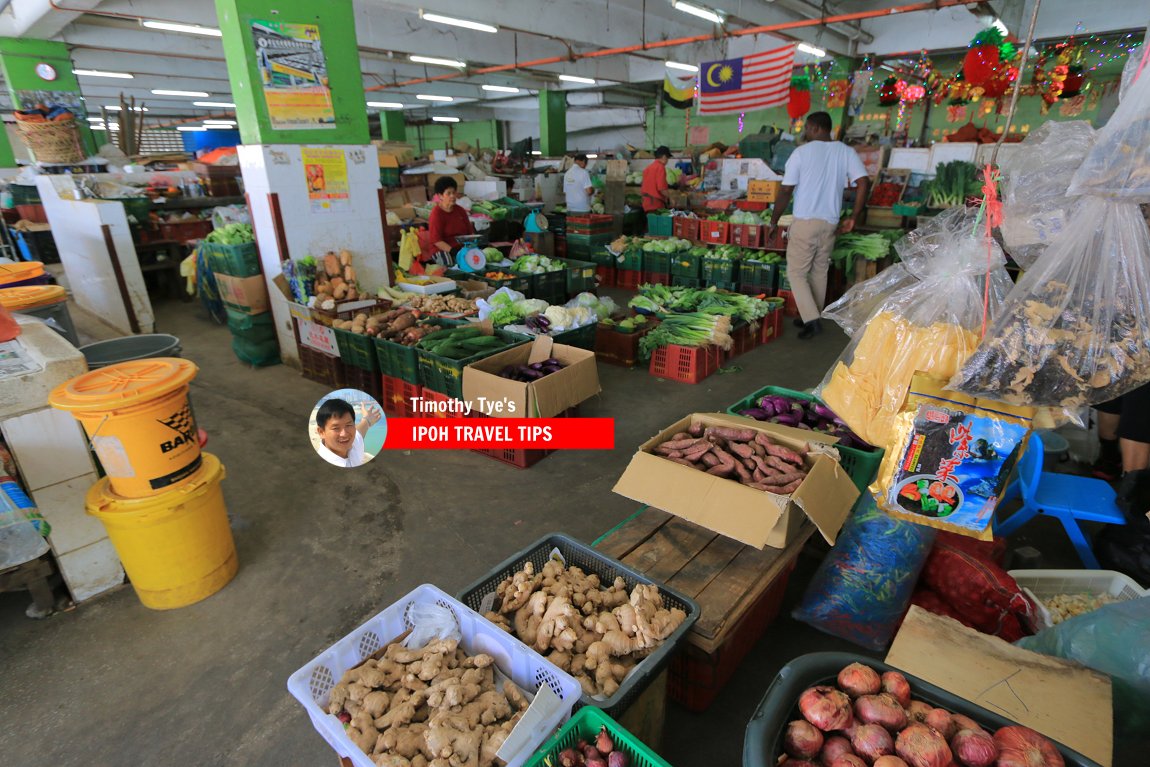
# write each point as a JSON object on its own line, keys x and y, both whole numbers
{"x": 1068, "y": 498}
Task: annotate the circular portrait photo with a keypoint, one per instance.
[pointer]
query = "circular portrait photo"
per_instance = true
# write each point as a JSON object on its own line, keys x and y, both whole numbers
{"x": 347, "y": 428}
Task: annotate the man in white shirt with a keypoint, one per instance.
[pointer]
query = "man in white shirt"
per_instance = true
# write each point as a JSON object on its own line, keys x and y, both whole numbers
{"x": 341, "y": 439}
{"x": 820, "y": 170}
{"x": 577, "y": 186}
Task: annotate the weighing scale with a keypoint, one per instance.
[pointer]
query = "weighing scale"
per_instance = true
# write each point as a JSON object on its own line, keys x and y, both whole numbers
{"x": 535, "y": 222}
{"x": 471, "y": 257}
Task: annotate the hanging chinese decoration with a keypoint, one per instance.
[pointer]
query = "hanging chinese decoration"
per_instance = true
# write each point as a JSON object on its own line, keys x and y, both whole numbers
{"x": 912, "y": 93}
{"x": 837, "y": 91}
{"x": 1058, "y": 72}
{"x": 888, "y": 92}
{"x": 800, "y": 98}
{"x": 1075, "y": 79}
{"x": 990, "y": 52}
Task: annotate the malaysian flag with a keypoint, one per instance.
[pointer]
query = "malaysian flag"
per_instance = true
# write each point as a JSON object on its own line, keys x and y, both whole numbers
{"x": 753, "y": 82}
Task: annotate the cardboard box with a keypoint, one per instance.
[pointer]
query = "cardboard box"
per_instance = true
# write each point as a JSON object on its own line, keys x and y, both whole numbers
{"x": 545, "y": 398}
{"x": 763, "y": 191}
{"x": 247, "y": 293}
{"x": 388, "y": 161}
{"x": 676, "y": 199}
{"x": 412, "y": 195}
{"x": 750, "y": 516}
{"x": 404, "y": 151}
{"x": 488, "y": 189}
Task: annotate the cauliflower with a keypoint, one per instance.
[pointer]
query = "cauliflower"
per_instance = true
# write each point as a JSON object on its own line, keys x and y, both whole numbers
{"x": 559, "y": 317}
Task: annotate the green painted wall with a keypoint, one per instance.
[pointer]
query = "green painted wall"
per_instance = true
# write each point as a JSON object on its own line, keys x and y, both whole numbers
{"x": 7, "y": 157}
{"x": 553, "y": 123}
{"x": 392, "y": 127}
{"x": 484, "y": 134}
{"x": 336, "y": 22}
{"x": 18, "y": 60}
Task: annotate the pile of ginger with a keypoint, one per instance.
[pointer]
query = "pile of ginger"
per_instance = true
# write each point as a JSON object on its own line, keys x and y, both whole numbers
{"x": 596, "y": 633}
{"x": 431, "y": 707}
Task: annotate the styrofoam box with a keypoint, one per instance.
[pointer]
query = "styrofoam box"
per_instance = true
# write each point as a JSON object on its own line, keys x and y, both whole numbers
{"x": 312, "y": 683}
{"x": 1040, "y": 585}
{"x": 427, "y": 289}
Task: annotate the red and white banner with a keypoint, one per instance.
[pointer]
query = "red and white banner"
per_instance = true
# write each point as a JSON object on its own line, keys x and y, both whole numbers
{"x": 758, "y": 81}
{"x": 496, "y": 433}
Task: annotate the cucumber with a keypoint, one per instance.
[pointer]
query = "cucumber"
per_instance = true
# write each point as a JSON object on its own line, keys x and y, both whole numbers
{"x": 484, "y": 342}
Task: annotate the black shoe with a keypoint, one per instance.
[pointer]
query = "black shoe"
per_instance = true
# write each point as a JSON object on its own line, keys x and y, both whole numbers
{"x": 799, "y": 322}
{"x": 810, "y": 329}
{"x": 1108, "y": 467}
{"x": 1133, "y": 495}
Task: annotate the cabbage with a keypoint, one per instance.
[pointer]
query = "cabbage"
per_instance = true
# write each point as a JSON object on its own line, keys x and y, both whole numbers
{"x": 529, "y": 306}
{"x": 492, "y": 255}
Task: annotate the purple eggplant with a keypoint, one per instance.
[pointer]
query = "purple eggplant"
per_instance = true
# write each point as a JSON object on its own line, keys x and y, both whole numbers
{"x": 758, "y": 413}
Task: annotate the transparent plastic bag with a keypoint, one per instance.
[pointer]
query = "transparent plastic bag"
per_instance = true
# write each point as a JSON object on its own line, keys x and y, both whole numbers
{"x": 1076, "y": 328}
{"x": 19, "y": 540}
{"x": 1118, "y": 165}
{"x": 862, "y": 299}
{"x": 929, "y": 325}
{"x": 1034, "y": 181}
{"x": 431, "y": 622}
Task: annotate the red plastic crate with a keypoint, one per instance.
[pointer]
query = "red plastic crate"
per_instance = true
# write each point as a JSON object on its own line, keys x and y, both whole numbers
{"x": 685, "y": 228}
{"x": 743, "y": 339}
{"x": 714, "y": 232}
{"x": 777, "y": 239}
{"x": 592, "y": 223}
{"x": 605, "y": 275}
{"x": 397, "y": 396}
{"x": 560, "y": 247}
{"x": 696, "y": 677}
{"x": 746, "y": 235}
{"x": 617, "y": 348}
{"x": 521, "y": 458}
{"x": 656, "y": 278}
{"x": 366, "y": 381}
{"x": 771, "y": 327}
{"x": 182, "y": 231}
{"x": 685, "y": 364}
{"x": 322, "y": 368}
{"x": 790, "y": 308}
{"x": 754, "y": 207}
{"x": 434, "y": 396}
{"x": 628, "y": 278}
{"x": 33, "y": 213}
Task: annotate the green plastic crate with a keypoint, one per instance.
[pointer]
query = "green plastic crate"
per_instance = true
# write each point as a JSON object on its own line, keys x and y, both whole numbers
{"x": 686, "y": 265}
{"x": 583, "y": 337}
{"x": 24, "y": 194}
{"x": 658, "y": 226}
{"x": 137, "y": 206}
{"x": 585, "y": 725}
{"x": 445, "y": 375}
{"x": 602, "y": 257}
{"x": 397, "y": 360}
{"x": 784, "y": 283}
{"x": 860, "y": 465}
{"x": 549, "y": 286}
{"x": 232, "y": 260}
{"x": 758, "y": 276}
{"x": 686, "y": 282}
{"x": 632, "y": 260}
{"x": 357, "y": 350}
{"x": 580, "y": 276}
{"x": 389, "y": 176}
{"x": 254, "y": 328}
{"x": 728, "y": 285}
{"x": 658, "y": 263}
{"x": 588, "y": 242}
{"x": 715, "y": 271}
{"x": 256, "y": 353}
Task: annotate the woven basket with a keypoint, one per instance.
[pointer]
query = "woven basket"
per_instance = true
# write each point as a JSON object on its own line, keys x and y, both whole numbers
{"x": 53, "y": 142}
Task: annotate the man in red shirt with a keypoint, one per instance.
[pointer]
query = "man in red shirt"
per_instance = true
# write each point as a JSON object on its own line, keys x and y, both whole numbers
{"x": 447, "y": 221}
{"x": 655, "y": 182}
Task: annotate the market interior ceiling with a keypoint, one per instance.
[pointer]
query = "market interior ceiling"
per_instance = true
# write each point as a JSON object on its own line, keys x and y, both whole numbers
{"x": 111, "y": 36}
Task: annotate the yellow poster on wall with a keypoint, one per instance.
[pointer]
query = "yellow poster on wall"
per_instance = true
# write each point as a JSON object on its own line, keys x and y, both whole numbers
{"x": 325, "y": 170}
{"x": 293, "y": 72}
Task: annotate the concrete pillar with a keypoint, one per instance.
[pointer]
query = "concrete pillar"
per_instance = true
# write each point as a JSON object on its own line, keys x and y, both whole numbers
{"x": 37, "y": 71}
{"x": 392, "y": 127}
{"x": 553, "y": 123}
{"x": 316, "y": 96}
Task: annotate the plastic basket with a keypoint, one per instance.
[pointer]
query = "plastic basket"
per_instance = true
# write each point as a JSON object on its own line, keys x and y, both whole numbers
{"x": 357, "y": 350}
{"x": 685, "y": 228}
{"x": 321, "y": 368}
{"x": 445, "y": 375}
{"x": 602, "y": 257}
{"x": 585, "y": 242}
{"x": 617, "y": 348}
{"x": 312, "y": 684}
{"x": 756, "y": 277}
{"x": 232, "y": 260}
{"x": 860, "y": 465}
{"x": 591, "y": 223}
{"x": 686, "y": 265}
{"x": 24, "y": 194}
{"x": 720, "y": 272}
{"x": 182, "y": 231}
{"x": 763, "y": 740}
{"x": 1040, "y": 585}
{"x": 656, "y": 278}
{"x": 632, "y": 260}
{"x": 746, "y": 235}
{"x": 397, "y": 396}
{"x": 685, "y": 364}
{"x": 521, "y": 458}
{"x": 657, "y": 263}
{"x": 771, "y": 326}
{"x": 585, "y": 725}
{"x": 583, "y": 337}
{"x": 686, "y": 282}
{"x": 581, "y": 555}
{"x": 580, "y": 277}
{"x": 628, "y": 279}
{"x": 367, "y": 381}
{"x": 744, "y": 338}
{"x": 714, "y": 232}
{"x": 790, "y": 307}
{"x": 256, "y": 353}
{"x": 659, "y": 226}
{"x": 254, "y": 328}
{"x": 605, "y": 275}
{"x": 397, "y": 360}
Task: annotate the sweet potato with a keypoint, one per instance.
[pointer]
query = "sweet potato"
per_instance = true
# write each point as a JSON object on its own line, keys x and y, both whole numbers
{"x": 778, "y": 463}
{"x": 697, "y": 451}
{"x": 696, "y": 429}
{"x": 741, "y": 449}
{"x": 722, "y": 470}
{"x": 680, "y": 444}
{"x": 734, "y": 435}
{"x": 788, "y": 455}
{"x": 785, "y": 479}
{"x": 683, "y": 461}
{"x": 710, "y": 459}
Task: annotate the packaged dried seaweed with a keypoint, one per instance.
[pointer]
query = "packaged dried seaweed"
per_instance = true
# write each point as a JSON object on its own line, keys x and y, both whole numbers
{"x": 1076, "y": 328}
{"x": 950, "y": 459}
{"x": 929, "y": 323}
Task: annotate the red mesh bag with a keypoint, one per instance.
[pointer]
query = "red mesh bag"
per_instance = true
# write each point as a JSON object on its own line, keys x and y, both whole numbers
{"x": 981, "y": 591}
{"x": 988, "y": 551}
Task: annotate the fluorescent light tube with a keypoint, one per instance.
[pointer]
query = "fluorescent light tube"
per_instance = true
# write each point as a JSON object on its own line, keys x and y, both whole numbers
{"x": 445, "y": 119}
{"x": 385, "y": 104}
{"x": 812, "y": 50}
{"x": 224, "y": 123}
{"x": 101, "y": 73}
{"x": 190, "y": 128}
{"x": 684, "y": 67}
{"x": 695, "y": 10}
{"x": 192, "y": 94}
{"x": 451, "y": 20}
{"x": 97, "y": 127}
{"x": 536, "y": 152}
{"x": 500, "y": 89}
{"x": 592, "y": 156}
{"x": 576, "y": 79}
{"x": 429, "y": 97}
{"x": 217, "y": 126}
{"x": 188, "y": 29}
{"x": 221, "y": 104}
{"x": 117, "y": 108}
{"x": 438, "y": 62}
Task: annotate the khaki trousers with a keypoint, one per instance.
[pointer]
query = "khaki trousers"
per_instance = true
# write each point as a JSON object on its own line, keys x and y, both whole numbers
{"x": 809, "y": 245}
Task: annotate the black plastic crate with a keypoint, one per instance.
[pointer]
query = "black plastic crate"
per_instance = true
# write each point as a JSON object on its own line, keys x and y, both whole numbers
{"x": 763, "y": 741}
{"x": 581, "y": 555}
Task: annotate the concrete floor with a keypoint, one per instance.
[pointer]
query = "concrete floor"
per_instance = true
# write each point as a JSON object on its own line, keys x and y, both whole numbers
{"x": 321, "y": 550}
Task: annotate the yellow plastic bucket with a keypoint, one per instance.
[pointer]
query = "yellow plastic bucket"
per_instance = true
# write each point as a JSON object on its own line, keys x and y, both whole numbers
{"x": 31, "y": 297}
{"x": 136, "y": 414}
{"x": 20, "y": 271}
{"x": 176, "y": 547}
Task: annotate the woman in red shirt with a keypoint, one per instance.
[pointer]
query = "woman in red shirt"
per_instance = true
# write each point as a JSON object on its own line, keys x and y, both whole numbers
{"x": 447, "y": 221}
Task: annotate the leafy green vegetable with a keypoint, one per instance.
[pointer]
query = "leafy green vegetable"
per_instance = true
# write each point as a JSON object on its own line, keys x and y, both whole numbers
{"x": 953, "y": 182}
{"x": 688, "y": 329}
{"x": 232, "y": 234}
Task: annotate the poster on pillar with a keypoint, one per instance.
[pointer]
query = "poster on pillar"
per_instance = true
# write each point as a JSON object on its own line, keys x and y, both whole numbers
{"x": 325, "y": 169}
{"x": 293, "y": 72}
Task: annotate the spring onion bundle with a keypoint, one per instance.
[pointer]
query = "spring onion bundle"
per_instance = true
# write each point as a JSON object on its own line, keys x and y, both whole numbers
{"x": 688, "y": 329}
{"x": 664, "y": 298}
{"x": 953, "y": 182}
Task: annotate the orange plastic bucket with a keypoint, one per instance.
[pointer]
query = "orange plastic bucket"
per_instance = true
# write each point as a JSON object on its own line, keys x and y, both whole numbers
{"x": 31, "y": 297}
{"x": 20, "y": 272}
{"x": 137, "y": 416}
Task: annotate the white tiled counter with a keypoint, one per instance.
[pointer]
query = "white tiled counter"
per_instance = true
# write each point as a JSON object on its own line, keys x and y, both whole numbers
{"x": 56, "y": 466}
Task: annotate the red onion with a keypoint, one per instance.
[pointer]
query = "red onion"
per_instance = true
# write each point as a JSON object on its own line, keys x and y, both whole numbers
{"x": 917, "y": 710}
{"x": 846, "y": 760}
{"x": 1020, "y": 746}
{"x": 889, "y": 761}
{"x": 835, "y": 746}
{"x": 922, "y": 746}
{"x": 871, "y": 741}
{"x": 962, "y": 722}
{"x": 826, "y": 708}
{"x": 895, "y": 685}
{"x": 798, "y": 763}
{"x": 974, "y": 748}
{"x": 857, "y": 679}
{"x": 880, "y": 709}
{"x": 940, "y": 720}
{"x": 802, "y": 739}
